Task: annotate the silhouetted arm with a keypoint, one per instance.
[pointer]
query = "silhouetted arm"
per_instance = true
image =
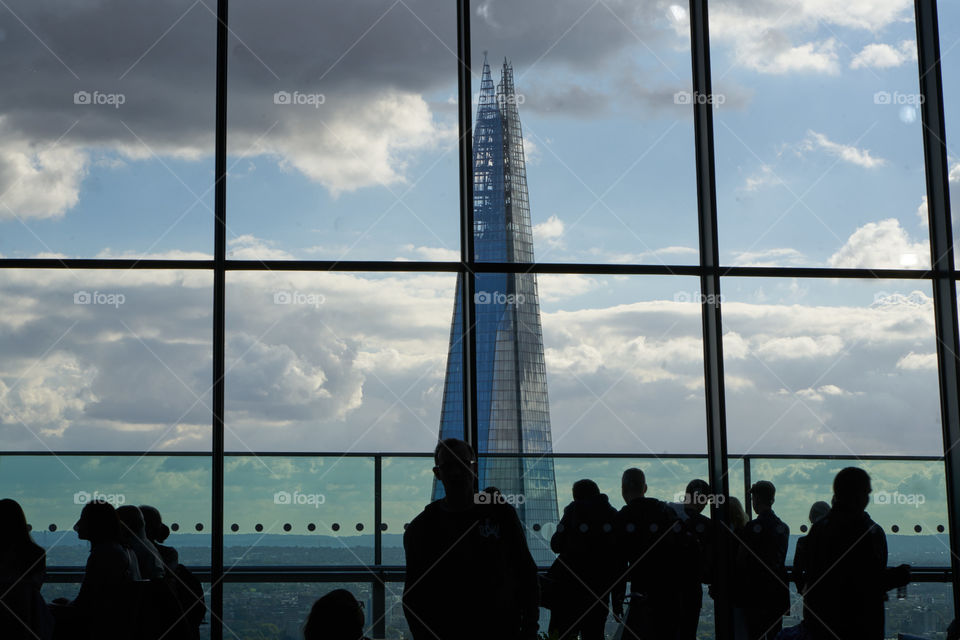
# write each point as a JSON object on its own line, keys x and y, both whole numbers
{"x": 798, "y": 562}
{"x": 892, "y": 577}
{"x": 559, "y": 536}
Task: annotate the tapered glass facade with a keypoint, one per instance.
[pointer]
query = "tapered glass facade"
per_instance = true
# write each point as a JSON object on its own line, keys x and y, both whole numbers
{"x": 513, "y": 409}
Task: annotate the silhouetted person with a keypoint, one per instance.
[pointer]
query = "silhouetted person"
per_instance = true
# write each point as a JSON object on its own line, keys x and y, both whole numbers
{"x": 846, "y": 566}
{"x": 133, "y": 535}
{"x": 186, "y": 587}
{"x": 336, "y": 616}
{"x": 470, "y": 574}
{"x": 23, "y": 566}
{"x": 587, "y": 567}
{"x": 695, "y": 567}
{"x": 738, "y": 516}
{"x": 817, "y": 511}
{"x": 649, "y": 539}
{"x": 734, "y": 534}
{"x": 763, "y": 589}
{"x": 108, "y": 580}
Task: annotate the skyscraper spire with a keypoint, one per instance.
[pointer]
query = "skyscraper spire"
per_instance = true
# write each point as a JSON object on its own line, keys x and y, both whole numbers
{"x": 513, "y": 410}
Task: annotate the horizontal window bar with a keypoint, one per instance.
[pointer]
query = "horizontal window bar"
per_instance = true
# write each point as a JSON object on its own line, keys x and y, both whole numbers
{"x": 531, "y": 454}
{"x": 477, "y": 267}
{"x": 386, "y": 573}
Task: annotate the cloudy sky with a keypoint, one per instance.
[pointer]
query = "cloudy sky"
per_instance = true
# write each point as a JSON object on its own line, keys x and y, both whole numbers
{"x": 342, "y": 145}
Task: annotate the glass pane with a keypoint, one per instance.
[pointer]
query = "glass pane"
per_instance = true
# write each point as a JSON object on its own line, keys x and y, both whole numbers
{"x": 336, "y": 361}
{"x": 407, "y": 485}
{"x": 105, "y": 360}
{"x": 298, "y": 511}
{"x": 926, "y": 611}
{"x": 346, "y": 131}
{"x": 108, "y": 138}
{"x": 595, "y": 102}
{"x": 950, "y": 72}
{"x": 908, "y": 502}
{"x": 53, "y": 490}
{"x": 278, "y": 611}
{"x": 819, "y": 151}
{"x": 624, "y": 363}
{"x": 830, "y": 367}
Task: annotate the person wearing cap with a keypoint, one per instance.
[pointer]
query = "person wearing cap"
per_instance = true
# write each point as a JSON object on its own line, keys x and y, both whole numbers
{"x": 763, "y": 588}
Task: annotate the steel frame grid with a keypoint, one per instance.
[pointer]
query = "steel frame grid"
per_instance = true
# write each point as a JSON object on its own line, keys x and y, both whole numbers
{"x": 942, "y": 275}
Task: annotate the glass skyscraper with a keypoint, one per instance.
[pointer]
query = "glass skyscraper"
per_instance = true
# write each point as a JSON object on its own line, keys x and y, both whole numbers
{"x": 513, "y": 410}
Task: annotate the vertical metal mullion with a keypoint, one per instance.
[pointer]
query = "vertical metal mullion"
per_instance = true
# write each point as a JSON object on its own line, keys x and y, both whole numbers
{"x": 941, "y": 252}
{"x": 747, "y": 482}
{"x": 710, "y": 291}
{"x": 219, "y": 305}
{"x": 468, "y": 310}
{"x": 379, "y": 590}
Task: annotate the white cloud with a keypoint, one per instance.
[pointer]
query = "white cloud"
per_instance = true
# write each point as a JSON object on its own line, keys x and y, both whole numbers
{"x": 555, "y": 287}
{"x": 923, "y": 213}
{"x": 825, "y": 391}
{"x": 778, "y": 257}
{"x": 818, "y": 57}
{"x": 918, "y": 361}
{"x": 39, "y": 181}
{"x": 531, "y": 151}
{"x": 768, "y": 37}
{"x": 366, "y": 144}
{"x": 549, "y": 232}
{"x": 881, "y": 245}
{"x": 659, "y": 254}
{"x": 885, "y": 56}
{"x": 248, "y": 247}
{"x": 762, "y": 178}
{"x": 847, "y": 153}
{"x": 305, "y": 377}
{"x": 436, "y": 254}
{"x": 954, "y": 175}
{"x": 797, "y": 347}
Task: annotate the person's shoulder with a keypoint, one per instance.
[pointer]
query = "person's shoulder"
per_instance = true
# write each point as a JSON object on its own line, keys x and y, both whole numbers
{"x": 779, "y": 526}
{"x": 36, "y": 553}
{"x": 422, "y": 519}
{"x": 872, "y": 527}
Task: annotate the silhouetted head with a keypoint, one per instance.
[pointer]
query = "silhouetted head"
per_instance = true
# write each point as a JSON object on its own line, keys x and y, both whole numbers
{"x": 762, "y": 493}
{"x": 697, "y": 495}
{"x": 131, "y": 522}
{"x": 456, "y": 466}
{"x": 851, "y": 489}
{"x": 98, "y": 523}
{"x": 584, "y": 489}
{"x": 738, "y": 517}
{"x": 818, "y": 510}
{"x": 633, "y": 484}
{"x": 336, "y": 616}
{"x": 153, "y": 523}
{"x": 13, "y": 525}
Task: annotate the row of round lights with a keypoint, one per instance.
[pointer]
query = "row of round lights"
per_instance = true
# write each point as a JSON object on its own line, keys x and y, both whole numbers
{"x": 383, "y": 527}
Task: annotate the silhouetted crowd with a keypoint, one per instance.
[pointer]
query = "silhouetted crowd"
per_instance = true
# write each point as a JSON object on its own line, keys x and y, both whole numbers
{"x": 471, "y": 576}
{"x": 134, "y": 587}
